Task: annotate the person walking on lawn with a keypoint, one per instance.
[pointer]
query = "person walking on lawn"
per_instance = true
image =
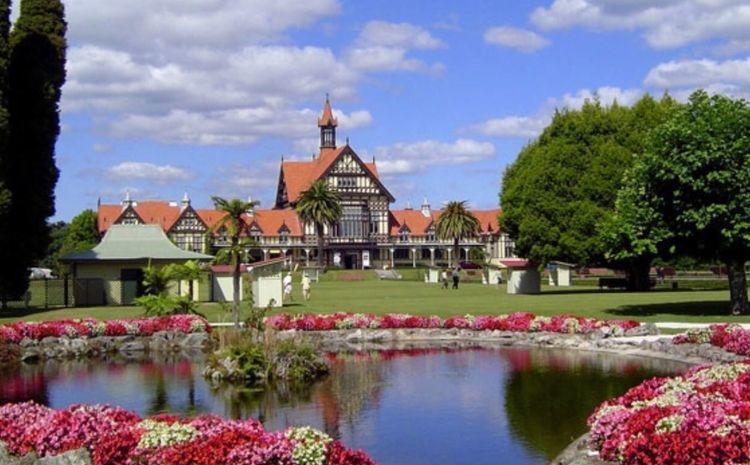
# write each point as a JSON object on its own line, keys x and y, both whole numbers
{"x": 305, "y": 287}
{"x": 444, "y": 279}
{"x": 455, "y": 275}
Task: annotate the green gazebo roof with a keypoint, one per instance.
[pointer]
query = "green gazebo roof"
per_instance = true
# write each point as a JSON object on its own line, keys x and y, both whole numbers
{"x": 135, "y": 242}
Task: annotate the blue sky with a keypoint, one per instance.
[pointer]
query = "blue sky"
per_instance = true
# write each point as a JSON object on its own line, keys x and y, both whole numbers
{"x": 205, "y": 96}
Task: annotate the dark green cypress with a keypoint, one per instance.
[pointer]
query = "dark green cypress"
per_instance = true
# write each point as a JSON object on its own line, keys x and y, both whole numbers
{"x": 36, "y": 74}
{"x": 6, "y": 232}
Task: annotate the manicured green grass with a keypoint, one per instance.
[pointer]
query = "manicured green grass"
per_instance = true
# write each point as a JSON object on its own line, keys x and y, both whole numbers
{"x": 335, "y": 294}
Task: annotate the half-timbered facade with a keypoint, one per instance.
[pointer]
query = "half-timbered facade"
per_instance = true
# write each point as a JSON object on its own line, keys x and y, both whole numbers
{"x": 369, "y": 233}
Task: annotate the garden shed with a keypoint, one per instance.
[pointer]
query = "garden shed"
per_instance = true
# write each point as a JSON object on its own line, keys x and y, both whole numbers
{"x": 432, "y": 275}
{"x": 112, "y": 272}
{"x": 222, "y": 285}
{"x": 560, "y": 273}
{"x": 267, "y": 286}
{"x": 523, "y": 277}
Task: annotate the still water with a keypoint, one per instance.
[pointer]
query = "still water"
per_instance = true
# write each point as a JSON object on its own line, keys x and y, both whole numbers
{"x": 404, "y": 407}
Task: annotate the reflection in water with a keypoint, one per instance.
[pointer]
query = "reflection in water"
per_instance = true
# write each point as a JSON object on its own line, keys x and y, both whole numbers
{"x": 417, "y": 406}
{"x": 549, "y": 394}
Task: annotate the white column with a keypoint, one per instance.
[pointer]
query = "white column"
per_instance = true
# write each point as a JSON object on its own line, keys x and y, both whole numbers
{"x": 307, "y": 257}
{"x": 265, "y": 254}
{"x": 466, "y": 251}
{"x": 432, "y": 256}
{"x": 450, "y": 257}
{"x": 413, "y": 257}
{"x": 393, "y": 253}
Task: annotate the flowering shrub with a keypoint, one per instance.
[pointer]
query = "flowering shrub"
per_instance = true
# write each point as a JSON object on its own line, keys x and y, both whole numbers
{"x": 729, "y": 337}
{"x": 116, "y": 437}
{"x": 518, "y": 322}
{"x": 89, "y": 327}
{"x": 700, "y": 418}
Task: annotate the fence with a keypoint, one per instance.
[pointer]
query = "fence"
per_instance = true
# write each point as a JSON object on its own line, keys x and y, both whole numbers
{"x": 45, "y": 293}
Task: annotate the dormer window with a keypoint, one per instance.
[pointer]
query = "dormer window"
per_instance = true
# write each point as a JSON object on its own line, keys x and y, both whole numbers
{"x": 284, "y": 237}
{"x": 431, "y": 236}
{"x": 403, "y": 235}
{"x": 255, "y": 233}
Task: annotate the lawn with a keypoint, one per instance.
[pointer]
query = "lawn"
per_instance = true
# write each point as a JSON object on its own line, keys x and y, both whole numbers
{"x": 332, "y": 295}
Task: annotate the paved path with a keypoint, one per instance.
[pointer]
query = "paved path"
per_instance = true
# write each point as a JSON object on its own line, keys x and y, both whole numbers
{"x": 678, "y": 325}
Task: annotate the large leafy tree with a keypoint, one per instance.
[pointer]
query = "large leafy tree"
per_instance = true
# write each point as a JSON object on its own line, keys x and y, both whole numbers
{"x": 36, "y": 74}
{"x": 456, "y": 222}
{"x": 82, "y": 233}
{"x": 695, "y": 176}
{"x": 234, "y": 220}
{"x": 564, "y": 185}
{"x": 321, "y": 206}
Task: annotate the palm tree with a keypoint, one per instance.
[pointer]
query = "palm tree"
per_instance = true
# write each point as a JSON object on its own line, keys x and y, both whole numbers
{"x": 321, "y": 206}
{"x": 189, "y": 271}
{"x": 235, "y": 211}
{"x": 456, "y": 222}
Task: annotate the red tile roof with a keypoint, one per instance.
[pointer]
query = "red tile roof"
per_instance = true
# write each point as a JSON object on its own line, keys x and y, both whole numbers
{"x": 417, "y": 223}
{"x": 299, "y": 175}
{"x": 165, "y": 214}
{"x": 488, "y": 220}
{"x": 327, "y": 117}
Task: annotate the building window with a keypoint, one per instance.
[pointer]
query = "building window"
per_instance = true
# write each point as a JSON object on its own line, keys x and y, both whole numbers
{"x": 354, "y": 222}
{"x": 284, "y": 237}
{"x": 403, "y": 236}
{"x": 431, "y": 237}
{"x": 346, "y": 182}
{"x": 255, "y": 234}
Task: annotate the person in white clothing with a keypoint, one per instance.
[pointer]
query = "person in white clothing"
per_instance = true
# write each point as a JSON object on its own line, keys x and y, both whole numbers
{"x": 305, "y": 287}
{"x": 287, "y": 283}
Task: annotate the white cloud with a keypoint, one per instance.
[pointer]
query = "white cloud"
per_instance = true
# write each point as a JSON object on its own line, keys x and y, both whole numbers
{"x": 511, "y": 126}
{"x": 532, "y": 126}
{"x": 159, "y": 174}
{"x": 149, "y": 26}
{"x": 409, "y": 157}
{"x": 699, "y": 73}
{"x": 236, "y": 126}
{"x": 401, "y": 35}
{"x": 384, "y": 46}
{"x": 214, "y": 71}
{"x": 518, "y": 39}
{"x": 665, "y": 23}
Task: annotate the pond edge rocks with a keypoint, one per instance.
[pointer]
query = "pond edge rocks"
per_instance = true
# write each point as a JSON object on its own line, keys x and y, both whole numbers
{"x": 69, "y": 348}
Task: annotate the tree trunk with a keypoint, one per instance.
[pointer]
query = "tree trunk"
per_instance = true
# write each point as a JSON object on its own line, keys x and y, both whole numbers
{"x": 737, "y": 286}
{"x": 456, "y": 251}
{"x": 319, "y": 232}
{"x": 236, "y": 286}
{"x": 638, "y": 275}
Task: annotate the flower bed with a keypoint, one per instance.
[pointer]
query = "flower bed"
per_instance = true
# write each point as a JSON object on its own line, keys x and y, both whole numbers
{"x": 518, "y": 322}
{"x": 113, "y": 436}
{"x": 89, "y": 327}
{"x": 700, "y": 418}
{"x": 729, "y": 337}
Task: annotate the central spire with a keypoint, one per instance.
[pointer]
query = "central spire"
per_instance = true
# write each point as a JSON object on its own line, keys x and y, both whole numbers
{"x": 327, "y": 124}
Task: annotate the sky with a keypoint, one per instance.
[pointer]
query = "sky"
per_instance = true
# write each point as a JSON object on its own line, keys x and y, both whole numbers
{"x": 204, "y": 97}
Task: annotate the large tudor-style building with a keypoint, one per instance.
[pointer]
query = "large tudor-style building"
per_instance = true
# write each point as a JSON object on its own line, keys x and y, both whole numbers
{"x": 369, "y": 234}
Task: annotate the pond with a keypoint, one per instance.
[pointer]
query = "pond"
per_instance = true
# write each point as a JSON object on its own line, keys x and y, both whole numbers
{"x": 417, "y": 406}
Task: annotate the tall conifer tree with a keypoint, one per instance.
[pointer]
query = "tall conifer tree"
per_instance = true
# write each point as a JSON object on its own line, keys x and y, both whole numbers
{"x": 5, "y": 197}
{"x": 36, "y": 74}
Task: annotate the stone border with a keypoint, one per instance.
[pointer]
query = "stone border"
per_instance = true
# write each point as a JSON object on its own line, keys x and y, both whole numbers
{"x": 60, "y": 348}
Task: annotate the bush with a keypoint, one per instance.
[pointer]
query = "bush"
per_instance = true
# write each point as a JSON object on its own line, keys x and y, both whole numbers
{"x": 163, "y": 305}
{"x": 296, "y": 362}
{"x": 241, "y": 359}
